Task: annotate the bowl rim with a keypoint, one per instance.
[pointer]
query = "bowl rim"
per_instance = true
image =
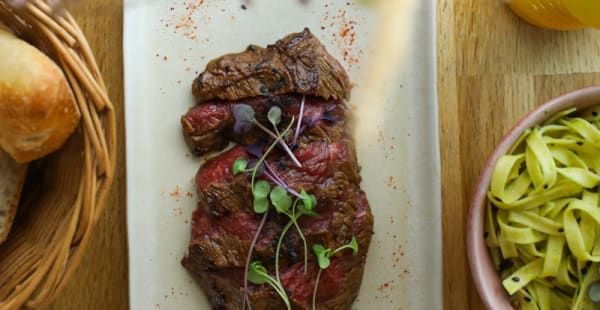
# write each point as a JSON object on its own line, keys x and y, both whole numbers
{"x": 486, "y": 279}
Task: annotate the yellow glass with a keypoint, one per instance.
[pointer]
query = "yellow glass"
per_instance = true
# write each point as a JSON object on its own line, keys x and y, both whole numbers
{"x": 558, "y": 14}
{"x": 586, "y": 11}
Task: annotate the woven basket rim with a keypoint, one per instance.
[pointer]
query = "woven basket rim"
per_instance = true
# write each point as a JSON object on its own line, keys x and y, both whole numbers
{"x": 59, "y": 36}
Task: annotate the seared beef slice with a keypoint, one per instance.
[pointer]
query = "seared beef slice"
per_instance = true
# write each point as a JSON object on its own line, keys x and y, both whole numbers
{"x": 297, "y": 63}
{"x": 224, "y": 224}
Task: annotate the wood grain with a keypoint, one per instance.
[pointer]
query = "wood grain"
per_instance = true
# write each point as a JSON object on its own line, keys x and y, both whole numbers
{"x": 101, "y": 281}
{"x": 492, "y": 69}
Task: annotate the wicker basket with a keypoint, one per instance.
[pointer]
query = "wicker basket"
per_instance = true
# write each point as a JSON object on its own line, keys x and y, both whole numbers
{"x": 65, "y": 192}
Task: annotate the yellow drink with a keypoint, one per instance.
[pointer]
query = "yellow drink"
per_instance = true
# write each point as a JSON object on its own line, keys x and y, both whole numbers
{"x": 558, "y": 14}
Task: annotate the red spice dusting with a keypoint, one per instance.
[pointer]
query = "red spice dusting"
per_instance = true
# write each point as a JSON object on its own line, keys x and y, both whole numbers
{"x": 185, "y": 20}
{"x": 176, "y": 193}
{"x": 165, "y": 58}
{"x": 344, "y": 32}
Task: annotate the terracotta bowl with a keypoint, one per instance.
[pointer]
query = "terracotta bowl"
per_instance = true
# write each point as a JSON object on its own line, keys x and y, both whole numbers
{"x": 487, "y": 280}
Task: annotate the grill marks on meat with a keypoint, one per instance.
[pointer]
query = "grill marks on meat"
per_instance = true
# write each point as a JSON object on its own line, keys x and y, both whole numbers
{"x": 297, "y": 63}
{"x": 224, "y": 223}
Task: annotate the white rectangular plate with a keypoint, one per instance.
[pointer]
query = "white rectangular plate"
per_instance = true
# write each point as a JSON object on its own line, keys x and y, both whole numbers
{"x": 390, "y": 56}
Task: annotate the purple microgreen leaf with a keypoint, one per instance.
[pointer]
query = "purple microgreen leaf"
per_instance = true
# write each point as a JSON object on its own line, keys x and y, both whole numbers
{"x": 239, "y": 165}
{"x": 260, "y": 170}
{"x": 274, "y": 116}
{"x": 256, "y": 149}
{"x": 243, "y": 112}
{"x": 244, "y": 118}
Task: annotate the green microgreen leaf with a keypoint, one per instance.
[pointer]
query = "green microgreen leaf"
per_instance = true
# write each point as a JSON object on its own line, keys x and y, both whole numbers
{"x": 274, "y": 115}
{"x": 323, "y": 255}
{"x": 239, "y": 165}
{"x": 261, "y": 189}
{"x": 257, "y": 273}
{"x": 280, "y": 199}
{"x": 310, "y": 202}
{"x": 260, "y": 205}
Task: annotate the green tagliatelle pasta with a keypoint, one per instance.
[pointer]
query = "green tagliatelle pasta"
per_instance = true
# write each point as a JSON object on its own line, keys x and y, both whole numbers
{"x": 542, "y": 222}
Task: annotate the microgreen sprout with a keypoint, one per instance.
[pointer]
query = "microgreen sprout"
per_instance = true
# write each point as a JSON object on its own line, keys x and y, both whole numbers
{"x": 307, "y": 209}
{"x": 323, "y": 259}
{"x": 244, "y": 120}
{"x": 258, "y": 274}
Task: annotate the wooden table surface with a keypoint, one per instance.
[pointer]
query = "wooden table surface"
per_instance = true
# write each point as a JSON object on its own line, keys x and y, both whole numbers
{"x": 492, "y": 69}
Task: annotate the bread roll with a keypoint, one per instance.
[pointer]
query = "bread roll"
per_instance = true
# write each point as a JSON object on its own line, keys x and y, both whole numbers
{"x": 37, "y": 108}
{"x": 12, "y": 177}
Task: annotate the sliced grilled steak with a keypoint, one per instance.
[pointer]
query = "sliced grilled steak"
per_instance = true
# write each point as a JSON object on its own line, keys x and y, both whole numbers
{"x": 209, "y": 127}
{"x": 224, "y": 224}
{"x": 297, "y": 63}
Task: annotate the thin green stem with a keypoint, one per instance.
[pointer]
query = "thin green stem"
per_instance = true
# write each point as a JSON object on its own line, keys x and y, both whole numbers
{"x": 281, "y": 236}
{"x": 295, "y": 220}
{"x": 278, "y": 287}
{"x": 314, "y": 296}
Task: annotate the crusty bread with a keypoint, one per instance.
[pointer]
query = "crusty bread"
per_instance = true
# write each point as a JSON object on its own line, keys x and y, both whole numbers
{"x": 37, "y": 108}
{"x": 12, "y": 177}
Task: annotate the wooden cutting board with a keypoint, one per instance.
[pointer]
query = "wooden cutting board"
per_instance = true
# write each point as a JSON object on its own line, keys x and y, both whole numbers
{"x": 492, "y": 69}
